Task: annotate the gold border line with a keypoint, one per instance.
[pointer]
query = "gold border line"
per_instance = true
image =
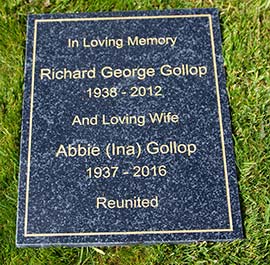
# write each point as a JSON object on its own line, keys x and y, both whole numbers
{"x": 131, "y": 232}
{"x": 118, "y": 18}
{"x": 30, "y": 129}
{"x": 220, "y": 123}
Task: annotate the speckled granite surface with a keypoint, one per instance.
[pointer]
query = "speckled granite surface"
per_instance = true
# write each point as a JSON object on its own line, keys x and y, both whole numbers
{"x": 172, "y": 180}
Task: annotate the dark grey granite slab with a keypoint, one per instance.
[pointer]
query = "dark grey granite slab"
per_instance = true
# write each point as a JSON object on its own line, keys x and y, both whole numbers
{"x": 126, "y": 134}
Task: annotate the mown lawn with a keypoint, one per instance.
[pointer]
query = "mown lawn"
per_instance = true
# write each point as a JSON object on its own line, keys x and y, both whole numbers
{"x": 246, "y": 48}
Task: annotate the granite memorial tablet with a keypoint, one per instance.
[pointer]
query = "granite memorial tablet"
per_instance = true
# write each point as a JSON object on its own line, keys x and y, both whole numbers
{"x": 126, "y": 133}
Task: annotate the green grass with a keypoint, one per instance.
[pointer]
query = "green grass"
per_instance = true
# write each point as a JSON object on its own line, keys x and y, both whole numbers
{"x": 246, "y": 49}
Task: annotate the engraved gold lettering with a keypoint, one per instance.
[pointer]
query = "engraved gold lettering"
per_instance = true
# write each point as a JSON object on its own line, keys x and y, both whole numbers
{"x": 106, "y": 42}
{"x": 171, "y": 147}
{"x": 117, "y": 150}
{"x": 163, "y": 117}
{"x": 137, "y": 41}
{"x": 73, "y": 43}
{"x": 136, "y": 202}
{"x": 126, "y": 119}
{"x": 78, "y": 150}
{"x": 183, "y": 70}
{"x": 52, "y": 74}
{"x": 85, "y": 120}
{"x": 140, "y": 73}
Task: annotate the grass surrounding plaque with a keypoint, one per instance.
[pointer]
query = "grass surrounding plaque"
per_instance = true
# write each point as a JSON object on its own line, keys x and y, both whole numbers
{"x": 245, "y": 30}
